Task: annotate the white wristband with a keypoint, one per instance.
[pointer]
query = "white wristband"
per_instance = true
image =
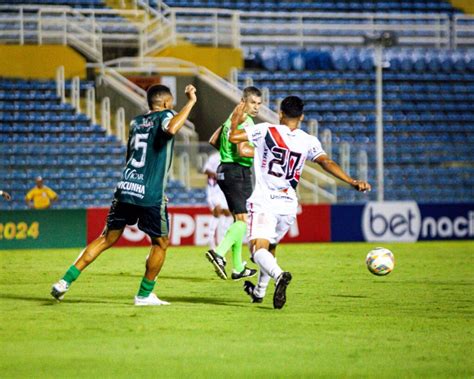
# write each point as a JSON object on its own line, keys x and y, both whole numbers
{"x": 1, "y": 193}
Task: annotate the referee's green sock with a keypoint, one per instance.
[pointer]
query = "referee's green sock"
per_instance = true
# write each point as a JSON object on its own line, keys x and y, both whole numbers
{"x": 237, "y": 247}
{"x": 233, "y": 235}
{"x": 71, "y": 274}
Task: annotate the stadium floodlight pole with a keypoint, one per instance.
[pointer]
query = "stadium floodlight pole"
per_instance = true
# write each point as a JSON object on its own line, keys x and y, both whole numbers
{"x": 385, "y": 39}
{"x": 378, "y": 58}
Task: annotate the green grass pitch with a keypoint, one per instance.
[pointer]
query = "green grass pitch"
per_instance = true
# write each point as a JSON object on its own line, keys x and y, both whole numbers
{"x": 340, "y": 321}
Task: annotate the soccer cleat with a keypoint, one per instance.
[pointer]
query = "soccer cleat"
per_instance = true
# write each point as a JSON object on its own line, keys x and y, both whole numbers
{"x": 249, "y": 288}
{"x": 59, "y": 289}
{"x": 218, "y": 262}
{"x": 151, "y": 299}
{"x": 279, "y": 297}
{"x": 246, "y": 273}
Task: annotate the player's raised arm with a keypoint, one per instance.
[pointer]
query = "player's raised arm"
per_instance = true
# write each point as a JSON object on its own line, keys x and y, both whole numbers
{"x": 333, "y": 168}
{"x": 215, "y": 140}
{"x": 180, "y": 118}
{"x": 238, "y": 117}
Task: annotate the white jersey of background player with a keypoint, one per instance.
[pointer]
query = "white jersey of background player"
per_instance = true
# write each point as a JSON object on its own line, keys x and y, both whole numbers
{"x": 217, "y": 203}
{"x": 280, "y": 153}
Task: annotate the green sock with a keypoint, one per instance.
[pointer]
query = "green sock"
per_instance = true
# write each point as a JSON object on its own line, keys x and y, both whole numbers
{"x": 71, "y": 274}
{"x": 146, "y": 286}
{"x": 232, "y": 236}
{"x": 237, "y": 247}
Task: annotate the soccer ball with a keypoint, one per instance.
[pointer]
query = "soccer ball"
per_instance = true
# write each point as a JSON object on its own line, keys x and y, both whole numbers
{"x": 380, "y": 261}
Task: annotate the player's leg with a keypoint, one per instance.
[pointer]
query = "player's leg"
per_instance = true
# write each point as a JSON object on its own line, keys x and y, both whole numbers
{"x": 216, "y": 256}
{"x": 213, "y": 225}
{"x": 225, "y": 221}
{"x": 214, "y": 221}
{"x": 265, "y": 229}
{"x": 97, "y": 247}
{"x": 263, "y": 280}
{"x": 153, "y": 221}
{"x": 237, "y": 188}
{"x": 225, "y": 216}
{"x": 279, "y": 296}
{"x": 244, "y": 191}
{"x": 119, "y": 215}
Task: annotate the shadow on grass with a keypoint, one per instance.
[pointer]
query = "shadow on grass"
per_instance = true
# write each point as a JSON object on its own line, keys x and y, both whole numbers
{"x": 160, "y": 277}
{"x": 48, "y": 301}
{"x": 204, "y": 300}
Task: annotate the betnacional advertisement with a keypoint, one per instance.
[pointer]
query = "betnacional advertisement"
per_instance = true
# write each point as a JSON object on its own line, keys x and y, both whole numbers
{"x": 402, "y": 221}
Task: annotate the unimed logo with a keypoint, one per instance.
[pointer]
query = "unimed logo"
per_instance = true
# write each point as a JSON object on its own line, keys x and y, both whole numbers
{"x": 391, "y": 221}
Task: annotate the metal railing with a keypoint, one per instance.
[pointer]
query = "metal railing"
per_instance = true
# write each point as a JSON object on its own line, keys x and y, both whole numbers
{"x": 178, "y": 66}
{"x": 463, "y": 31}
{"x": 51, "y": 25}
{"x": 220, "y": 27}
{"x": 150, "y": 30}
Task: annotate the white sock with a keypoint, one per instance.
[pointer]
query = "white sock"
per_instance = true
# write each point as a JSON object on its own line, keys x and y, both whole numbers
{"x": 212, "y": 232}
{"x": 267, "y": 262}
{"x": 261, "y": 288}
{"x": 224, "y": 223}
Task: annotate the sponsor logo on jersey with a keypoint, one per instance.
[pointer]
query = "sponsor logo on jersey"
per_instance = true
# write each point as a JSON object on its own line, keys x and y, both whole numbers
{"x": 133, "y": 189}
{"x": 146, "y": 123}
{"x": 132, "y": 174}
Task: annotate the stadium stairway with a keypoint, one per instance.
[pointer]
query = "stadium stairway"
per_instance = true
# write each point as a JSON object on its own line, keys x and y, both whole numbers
{"x": 428, "y": 115}
{"x": 40, "y": 136}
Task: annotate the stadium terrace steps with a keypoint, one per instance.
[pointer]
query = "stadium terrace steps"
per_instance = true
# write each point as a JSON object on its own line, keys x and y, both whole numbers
{"x": 40, "y": 136}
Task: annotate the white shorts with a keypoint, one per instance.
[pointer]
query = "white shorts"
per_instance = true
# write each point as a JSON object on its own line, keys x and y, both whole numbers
{"x": 268, "y": 226}
{"x": 215, "y": 197}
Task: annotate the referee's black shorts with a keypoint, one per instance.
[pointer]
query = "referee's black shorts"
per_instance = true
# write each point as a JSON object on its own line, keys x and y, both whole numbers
{"x": 236, "y": 183}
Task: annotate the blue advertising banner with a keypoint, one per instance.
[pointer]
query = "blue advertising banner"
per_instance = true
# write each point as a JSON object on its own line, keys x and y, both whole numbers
{"x": 346, "y": 223}
{"x": 402, "y": 221}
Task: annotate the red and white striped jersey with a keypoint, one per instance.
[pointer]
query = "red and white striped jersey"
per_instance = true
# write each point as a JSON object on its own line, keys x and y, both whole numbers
{"x": 280, "y": 154}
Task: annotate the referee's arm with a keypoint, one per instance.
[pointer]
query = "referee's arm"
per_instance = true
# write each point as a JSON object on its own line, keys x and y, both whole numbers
{"x": 215, "y": 139}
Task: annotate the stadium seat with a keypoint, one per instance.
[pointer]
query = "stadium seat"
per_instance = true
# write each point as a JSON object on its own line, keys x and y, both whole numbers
{"x": 428, "y": 113}
{"x": 41, "y": 136}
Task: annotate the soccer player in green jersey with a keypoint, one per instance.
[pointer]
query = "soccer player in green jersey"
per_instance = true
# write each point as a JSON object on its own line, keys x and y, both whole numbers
{"x": 140, "y": 194}
{"x": 235, "y": 179}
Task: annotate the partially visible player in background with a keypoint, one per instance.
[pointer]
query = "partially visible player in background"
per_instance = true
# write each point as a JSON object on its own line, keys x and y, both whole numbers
{"x": 140, "y": 194}
{"x": 280, "y": 154}
{"x": 40, "y": 196}
{"x": 234, "y": 177}
{"x": 222, "y": 217}
{"x": 5, "y": 195}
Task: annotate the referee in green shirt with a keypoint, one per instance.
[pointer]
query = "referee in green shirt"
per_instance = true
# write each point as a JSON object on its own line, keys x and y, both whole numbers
{"x": 235, "y": 179}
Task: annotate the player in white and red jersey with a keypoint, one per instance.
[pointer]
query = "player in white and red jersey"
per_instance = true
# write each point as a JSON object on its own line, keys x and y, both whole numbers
{"x": 279, "y": 157}
{"x": 222, "y": 217}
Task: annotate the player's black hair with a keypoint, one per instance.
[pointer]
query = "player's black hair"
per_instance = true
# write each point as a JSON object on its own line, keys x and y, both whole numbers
{"x": 154, "y": 92}
{"x": 251, "y": 91}
{"x": 292, "y": 107}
